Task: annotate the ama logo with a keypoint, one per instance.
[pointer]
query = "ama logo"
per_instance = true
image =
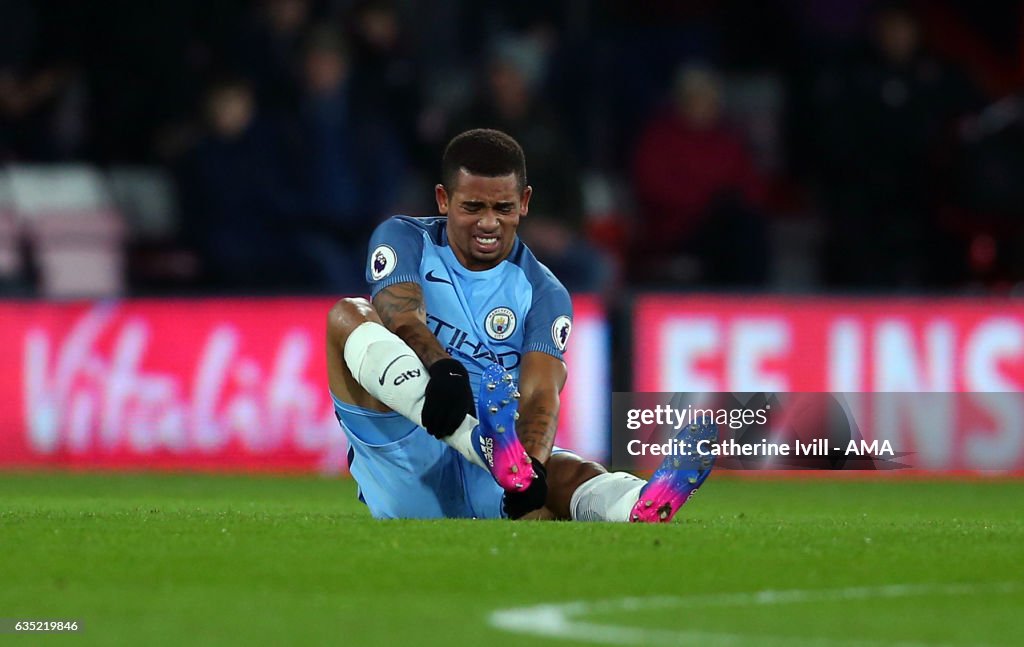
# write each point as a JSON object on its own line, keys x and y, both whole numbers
{"x": 382, "y": 262}
{"x": 560, "y": 331}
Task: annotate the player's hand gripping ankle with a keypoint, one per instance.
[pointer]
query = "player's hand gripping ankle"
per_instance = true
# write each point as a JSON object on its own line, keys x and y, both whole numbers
{"x": 448, "y": 398}
{"x": 532, "y": 498}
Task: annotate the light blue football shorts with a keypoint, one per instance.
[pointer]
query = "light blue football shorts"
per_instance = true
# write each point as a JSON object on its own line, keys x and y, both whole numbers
{"x": 405, "y": 473}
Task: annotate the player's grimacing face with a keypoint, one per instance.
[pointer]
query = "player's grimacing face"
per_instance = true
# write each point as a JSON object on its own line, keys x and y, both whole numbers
{"x": 483, "y": 215}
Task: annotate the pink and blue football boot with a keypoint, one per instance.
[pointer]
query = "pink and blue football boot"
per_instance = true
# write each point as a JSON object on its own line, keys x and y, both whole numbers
{"x": 495, "y": 439}
{"x": 672, "y": 484}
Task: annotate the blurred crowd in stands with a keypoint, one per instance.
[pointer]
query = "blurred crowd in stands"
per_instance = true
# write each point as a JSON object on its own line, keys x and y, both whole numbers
{"x": 793, "y": 145}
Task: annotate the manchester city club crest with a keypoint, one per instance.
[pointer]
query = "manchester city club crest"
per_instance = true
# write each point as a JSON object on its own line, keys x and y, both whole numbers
{"x": 560, "y": 331}
{"x": 382, "y": 262}
{"x": 500, "y": 323}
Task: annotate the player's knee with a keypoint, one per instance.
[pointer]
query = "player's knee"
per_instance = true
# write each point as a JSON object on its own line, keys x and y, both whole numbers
{"x": 566, "y": 472}
{"x": 570, "y": 472}
{"x": 348, "y": 314}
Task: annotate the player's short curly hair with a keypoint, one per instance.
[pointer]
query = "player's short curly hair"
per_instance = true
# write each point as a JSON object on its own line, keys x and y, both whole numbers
{"x": 483, "y": 151}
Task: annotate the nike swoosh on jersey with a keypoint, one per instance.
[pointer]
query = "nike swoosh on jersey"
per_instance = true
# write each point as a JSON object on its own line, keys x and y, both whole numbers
{"x": 437, "y": 279}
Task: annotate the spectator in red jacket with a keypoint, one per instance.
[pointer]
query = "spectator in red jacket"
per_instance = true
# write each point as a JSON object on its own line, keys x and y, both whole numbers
{"x": 697, "y": 192}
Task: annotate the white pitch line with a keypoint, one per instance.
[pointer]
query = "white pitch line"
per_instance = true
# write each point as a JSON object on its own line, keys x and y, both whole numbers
{"x": 564, "y": 620}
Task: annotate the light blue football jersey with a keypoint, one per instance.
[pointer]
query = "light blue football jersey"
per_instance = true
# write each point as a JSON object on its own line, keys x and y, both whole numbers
{"x": 494, "y": 315}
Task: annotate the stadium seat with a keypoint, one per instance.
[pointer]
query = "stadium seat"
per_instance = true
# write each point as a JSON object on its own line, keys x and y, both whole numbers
{"x": 10, "y": 244}
{"x": 755, "y": 105}
{"x": 604, "y": 224}
{"x": 147, "y": 199}
{"x": 73, "y": 227}
{"x": 796, "y": 263}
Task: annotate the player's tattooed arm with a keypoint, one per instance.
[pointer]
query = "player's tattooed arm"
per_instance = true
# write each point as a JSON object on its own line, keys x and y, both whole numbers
{"x": 541, "y": 379}
{"x": 403, "y": 312}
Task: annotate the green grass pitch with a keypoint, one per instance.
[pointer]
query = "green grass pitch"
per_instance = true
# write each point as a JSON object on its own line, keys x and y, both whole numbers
{"x": 187, "y": 559}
